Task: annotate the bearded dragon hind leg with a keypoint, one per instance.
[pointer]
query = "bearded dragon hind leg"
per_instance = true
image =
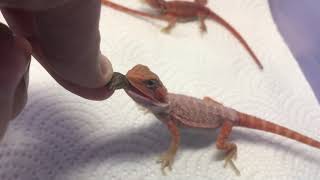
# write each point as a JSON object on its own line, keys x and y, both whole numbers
{"x": 165, "y": 30}
{"x": 167, "y": 158}
{"x": 230, "y": 148}
{"x": 171, "y": 23}
{"x": 202, "y": 17}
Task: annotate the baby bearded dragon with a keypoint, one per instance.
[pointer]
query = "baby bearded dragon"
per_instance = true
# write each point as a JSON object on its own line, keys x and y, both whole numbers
{"x": 177, "y": 111}
{"x": 183, "y": 11}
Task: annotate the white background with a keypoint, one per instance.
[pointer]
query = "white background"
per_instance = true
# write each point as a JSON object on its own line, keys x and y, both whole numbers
{"x": 64, "y": 137}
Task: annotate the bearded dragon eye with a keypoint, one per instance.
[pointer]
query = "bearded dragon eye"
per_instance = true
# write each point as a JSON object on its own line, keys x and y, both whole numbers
{"x": 151, "y": 83}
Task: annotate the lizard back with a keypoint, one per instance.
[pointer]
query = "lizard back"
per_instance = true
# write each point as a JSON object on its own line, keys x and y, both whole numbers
{"x": 184, "y": 10}
{"x": 193, "y": 112}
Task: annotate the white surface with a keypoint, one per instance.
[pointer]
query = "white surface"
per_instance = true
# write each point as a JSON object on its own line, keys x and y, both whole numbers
{"x": 63, "y": 137}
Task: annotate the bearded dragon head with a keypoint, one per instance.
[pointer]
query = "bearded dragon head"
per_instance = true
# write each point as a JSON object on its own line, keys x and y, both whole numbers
{"x": 156, "y": 4}
{"x": 146, "y": 89}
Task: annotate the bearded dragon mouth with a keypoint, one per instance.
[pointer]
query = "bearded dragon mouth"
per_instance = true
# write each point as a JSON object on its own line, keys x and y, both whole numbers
{"x": 143, "y": 99}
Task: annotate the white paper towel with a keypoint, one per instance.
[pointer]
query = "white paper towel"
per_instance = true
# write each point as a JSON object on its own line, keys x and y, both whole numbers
{"x": 63, "y": 137}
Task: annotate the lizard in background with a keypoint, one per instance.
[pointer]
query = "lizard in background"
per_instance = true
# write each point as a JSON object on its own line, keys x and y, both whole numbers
{"x": 184, "y": 11}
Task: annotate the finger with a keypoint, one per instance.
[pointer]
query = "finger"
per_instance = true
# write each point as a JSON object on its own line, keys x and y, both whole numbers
{"x": 32, "y": 4}
{"x": 68, "y": 48}
{"x": 70, "y": 41}
{"x": 15, "y": 54}
{"x": 20, "y": 95}
{"x": 99, "y": 93}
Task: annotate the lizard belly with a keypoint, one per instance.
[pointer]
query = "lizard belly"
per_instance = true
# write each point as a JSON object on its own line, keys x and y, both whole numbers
{"x": 192, "y": 112}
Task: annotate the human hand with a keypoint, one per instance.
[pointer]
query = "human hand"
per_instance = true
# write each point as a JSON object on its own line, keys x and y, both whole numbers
{"x": 63, "y": 36}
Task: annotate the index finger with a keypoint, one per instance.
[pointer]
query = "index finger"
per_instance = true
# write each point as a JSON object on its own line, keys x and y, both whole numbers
{"x": 66, "y": 41}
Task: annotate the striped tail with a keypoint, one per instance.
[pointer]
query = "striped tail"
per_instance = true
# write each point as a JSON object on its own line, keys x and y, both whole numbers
{"x": 129, "y": 11}
{"x": 252, "y": 122}
{"x": 224, "y": 23}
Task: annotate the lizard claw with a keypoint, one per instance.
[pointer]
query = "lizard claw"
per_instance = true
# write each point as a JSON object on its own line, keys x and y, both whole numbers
{"x": 143, "y": 109}
{"x": 165, "y": 30}
{"x": 166, "y": 160}
{"x": 203, "y": 31}
{"x": 231, "y": 155}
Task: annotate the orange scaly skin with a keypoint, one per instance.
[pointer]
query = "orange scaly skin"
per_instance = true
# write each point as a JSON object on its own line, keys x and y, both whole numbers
{"x": 183, "y": 11}
{"x": 178, "y": 111}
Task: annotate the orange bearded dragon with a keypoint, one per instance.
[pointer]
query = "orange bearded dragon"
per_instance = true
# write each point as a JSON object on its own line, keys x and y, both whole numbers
{"x": 178, "y": 111}
{"x": 184, "y": 11}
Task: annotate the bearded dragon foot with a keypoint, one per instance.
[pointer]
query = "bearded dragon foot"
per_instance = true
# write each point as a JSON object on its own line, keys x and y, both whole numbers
{"x": 223, "y": 144}
{"x": 231, "y": 155}
{"x": 166, "y": 160}
{"x": 203, "y": 29}
{"x": 166, "y": 30}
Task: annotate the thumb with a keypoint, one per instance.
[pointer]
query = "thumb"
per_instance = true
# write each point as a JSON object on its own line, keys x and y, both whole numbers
{"x": 15, "y": 55}
{"x": 66, "y": 41}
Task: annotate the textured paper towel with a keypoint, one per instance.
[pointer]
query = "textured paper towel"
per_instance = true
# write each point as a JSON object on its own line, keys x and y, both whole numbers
{"x": 63, "y": 137}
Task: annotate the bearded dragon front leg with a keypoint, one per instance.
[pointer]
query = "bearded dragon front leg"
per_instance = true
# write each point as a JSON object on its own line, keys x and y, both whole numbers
{"x": 230, "y": 148}
{"x": 167, "y": 158}
{"x": 172, "y": 20}
{"x": 202, "y": 17}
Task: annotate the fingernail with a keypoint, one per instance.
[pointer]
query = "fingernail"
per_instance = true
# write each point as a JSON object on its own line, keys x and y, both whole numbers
{"x": 106, "y": 68}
